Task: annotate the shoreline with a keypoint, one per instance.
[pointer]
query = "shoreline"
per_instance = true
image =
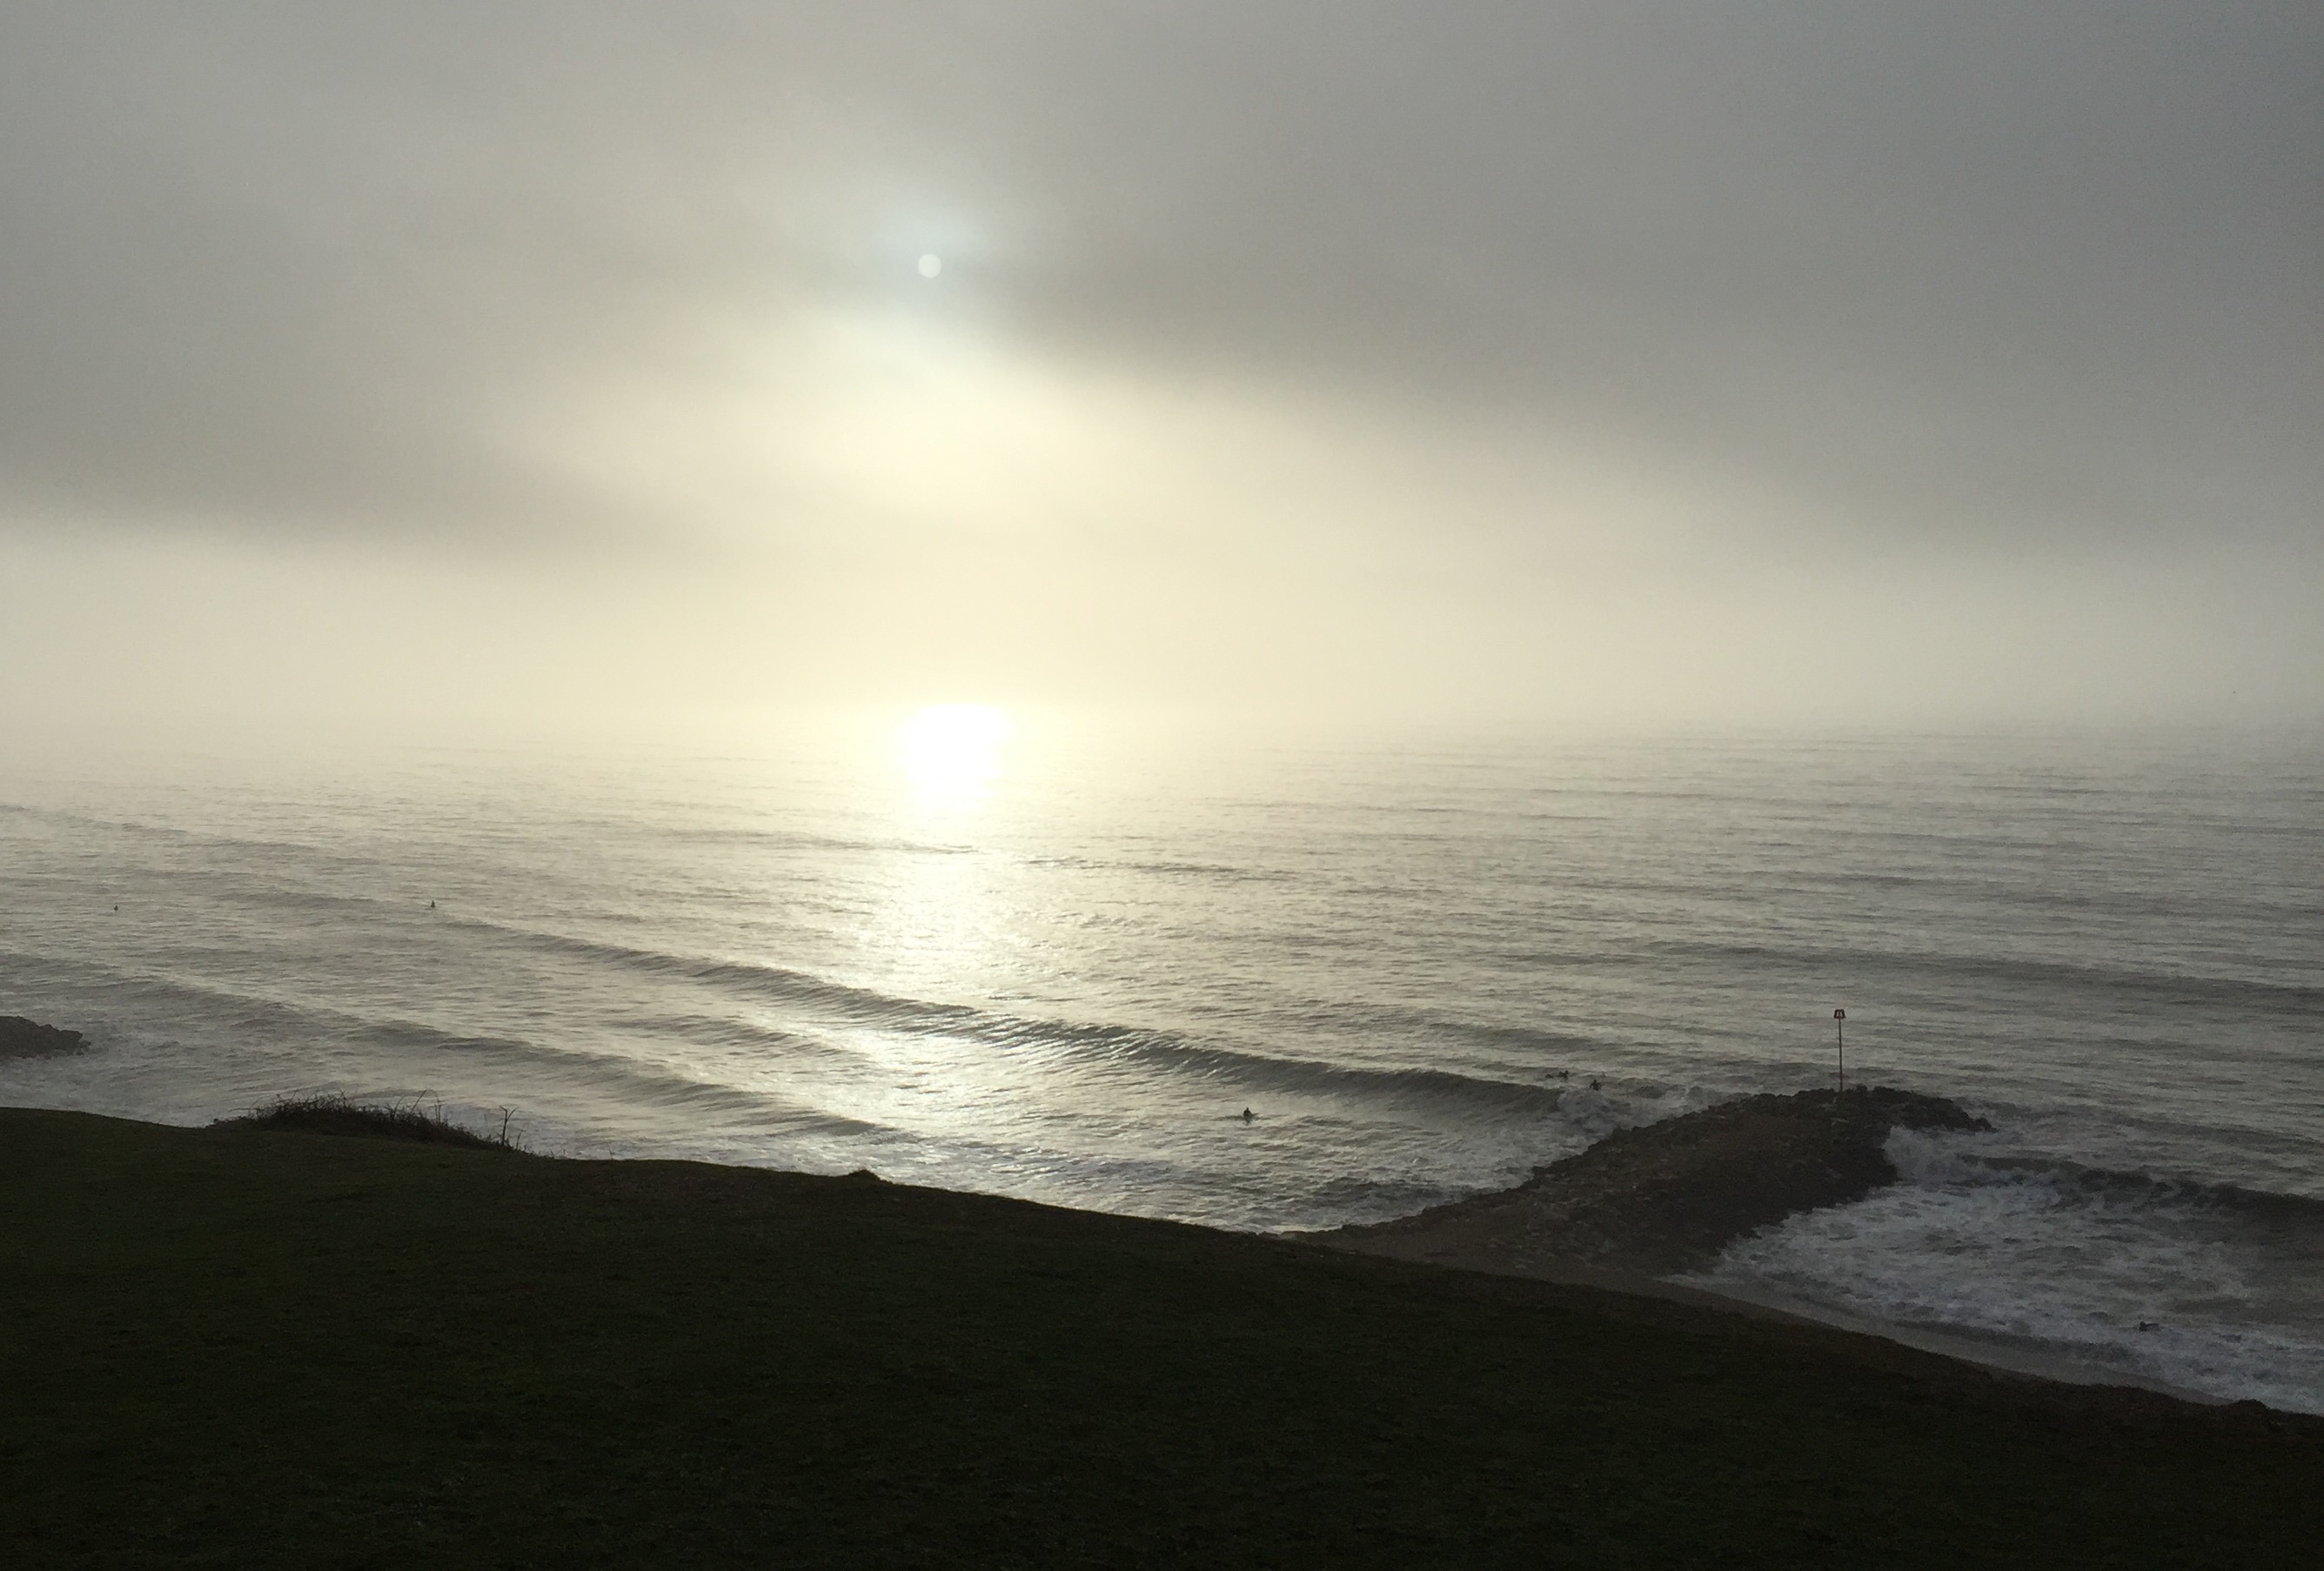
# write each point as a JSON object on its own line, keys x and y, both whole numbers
{"x": 262, "y": 1344}
{"x": 1992, "y": 1355}
{"x": 1649, "y": 1209}
{"x": 1393, "y": 1239}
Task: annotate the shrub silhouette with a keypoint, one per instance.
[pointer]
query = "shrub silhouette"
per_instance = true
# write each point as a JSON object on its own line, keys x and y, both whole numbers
{"x": 341, "y": 1114}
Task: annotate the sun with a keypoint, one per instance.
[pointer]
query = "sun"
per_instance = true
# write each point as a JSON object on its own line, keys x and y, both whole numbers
{"x": 952, "y": 751}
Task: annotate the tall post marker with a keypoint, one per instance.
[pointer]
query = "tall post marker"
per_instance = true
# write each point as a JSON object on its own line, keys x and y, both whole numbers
{"x": 1839, "y": 1041}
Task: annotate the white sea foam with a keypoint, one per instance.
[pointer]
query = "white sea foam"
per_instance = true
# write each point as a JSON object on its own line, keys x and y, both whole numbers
{"x": 2157, "y": 1282}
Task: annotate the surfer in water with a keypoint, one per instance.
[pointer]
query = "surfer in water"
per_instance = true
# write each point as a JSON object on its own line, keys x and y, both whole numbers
{"x": 1248, "y": 1116}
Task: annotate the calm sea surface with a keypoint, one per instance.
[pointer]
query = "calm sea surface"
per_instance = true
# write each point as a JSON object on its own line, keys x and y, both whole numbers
{"x": 1422, "y": 971}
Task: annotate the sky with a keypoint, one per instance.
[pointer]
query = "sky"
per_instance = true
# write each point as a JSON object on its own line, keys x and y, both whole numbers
{"x": 442, "y": 368}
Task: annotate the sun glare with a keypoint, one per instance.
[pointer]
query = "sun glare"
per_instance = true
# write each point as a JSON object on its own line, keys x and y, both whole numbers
{"x": 952, "y": 751}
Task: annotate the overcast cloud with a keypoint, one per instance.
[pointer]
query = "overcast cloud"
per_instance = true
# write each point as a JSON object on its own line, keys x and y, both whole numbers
{"x": 1527, "y": 361}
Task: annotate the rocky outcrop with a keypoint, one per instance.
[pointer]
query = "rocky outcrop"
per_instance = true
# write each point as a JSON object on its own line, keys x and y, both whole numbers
{"x": 1667, "y": 1197}
{"x": 23, "y": 1038}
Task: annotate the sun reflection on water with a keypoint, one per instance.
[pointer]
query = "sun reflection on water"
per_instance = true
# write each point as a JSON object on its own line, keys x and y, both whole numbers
{"x": 952, "y": 752}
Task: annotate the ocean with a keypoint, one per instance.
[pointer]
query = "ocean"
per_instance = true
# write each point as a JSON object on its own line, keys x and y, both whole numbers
{"x": 1064, "y": 974}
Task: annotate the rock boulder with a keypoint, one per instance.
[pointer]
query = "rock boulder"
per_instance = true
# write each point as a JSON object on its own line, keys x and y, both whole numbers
{"x": 23, "y": 1038}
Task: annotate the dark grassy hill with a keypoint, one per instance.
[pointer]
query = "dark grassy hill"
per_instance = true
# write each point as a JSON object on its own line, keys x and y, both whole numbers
{"x": 243, "y": 1347}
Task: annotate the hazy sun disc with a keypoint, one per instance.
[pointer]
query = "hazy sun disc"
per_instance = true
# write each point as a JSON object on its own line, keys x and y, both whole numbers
{"x": 952, "y": 751}
{"x": 931, "y": 265}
